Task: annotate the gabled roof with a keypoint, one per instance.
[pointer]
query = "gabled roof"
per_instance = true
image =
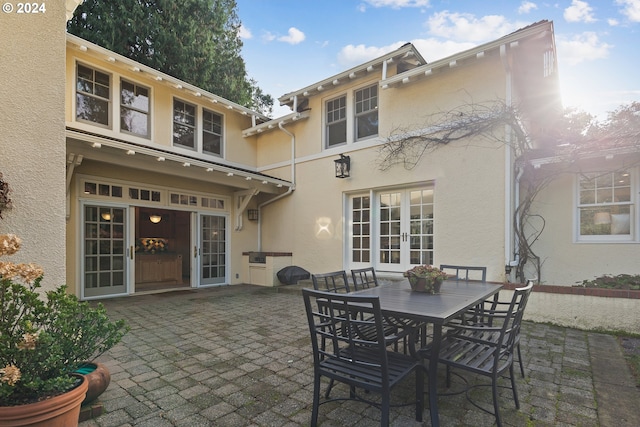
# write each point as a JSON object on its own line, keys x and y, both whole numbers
{"x": 117, "y": 60}
{"x": 536, "y": 30}
{"x": 407, "y": 53}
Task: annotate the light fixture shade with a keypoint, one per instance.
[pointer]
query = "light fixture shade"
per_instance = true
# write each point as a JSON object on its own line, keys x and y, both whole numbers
{"x": 602, "y": 218}
{"x": 106, "y": 216}
{"x": 155, "y": 218}
{"x": 343, "y": 166}
{"x": 252, "y": 214}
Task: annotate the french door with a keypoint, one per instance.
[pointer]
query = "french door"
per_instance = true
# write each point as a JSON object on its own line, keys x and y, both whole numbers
{"x": 392, "y": 230}
{"x": 213, "y": 249}
{"x": 104, "y": 251}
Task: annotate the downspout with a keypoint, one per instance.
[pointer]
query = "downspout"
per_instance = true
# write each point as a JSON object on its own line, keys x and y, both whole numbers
{"x": 511, "y": 194}
{"x": 285, "y": 194}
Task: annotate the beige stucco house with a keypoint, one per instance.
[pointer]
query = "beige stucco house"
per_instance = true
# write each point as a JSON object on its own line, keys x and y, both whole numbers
{"x": 127, "y": 180}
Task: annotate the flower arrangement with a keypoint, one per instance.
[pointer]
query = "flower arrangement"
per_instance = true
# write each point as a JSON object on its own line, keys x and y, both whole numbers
{"x": 154, "y": 244}
{"x": 44, "y": 338}
{"x": 426, "y": 271}
{"x": 425, "y": 278}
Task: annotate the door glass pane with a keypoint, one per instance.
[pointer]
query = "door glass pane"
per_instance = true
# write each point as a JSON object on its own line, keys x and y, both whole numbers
{"x": 104, "y": 251}
{"x": 213, "y": 249}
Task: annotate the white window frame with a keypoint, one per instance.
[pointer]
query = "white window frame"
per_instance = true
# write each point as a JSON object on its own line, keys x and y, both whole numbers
{"x": 340, "y": 121}
{"x": 606, "y": 207}
{"x": 194, "y": 126}
{"x": 147, "y": 113}
{"x": 367, "y": 102}
{"x": 221, "y": 134}
{"x": 92, "y": 94}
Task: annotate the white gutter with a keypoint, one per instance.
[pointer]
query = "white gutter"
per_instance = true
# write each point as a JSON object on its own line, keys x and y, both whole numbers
{"x": 285, "y": 194}
{"x": 509, "y": 192}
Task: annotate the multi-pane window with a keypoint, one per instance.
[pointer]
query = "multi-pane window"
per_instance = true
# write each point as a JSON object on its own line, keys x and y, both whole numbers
{"x": 605, "y": 205}
{"x": 421, "y": 226}
{"x": 134, "y": 108}
{"x": 366, "y": 112}
{"x": 336, "y": 122}
{"x": 93, "y": 96}
{"x": 361, "y": 229}
{"x": 211, "y": 132}
{"x": 184, "y": 124}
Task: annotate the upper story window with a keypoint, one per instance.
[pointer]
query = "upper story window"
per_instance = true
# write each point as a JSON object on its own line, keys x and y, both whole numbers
{"x": 93, "y": 96}
{"x": 134, "y": 108}
{"x": 211, "y": 132}
{"x": 184, "y": 124}
{"x": 366, "y": 112}
{"x": 336, "y": 131}
{"x": 605, "y": 206}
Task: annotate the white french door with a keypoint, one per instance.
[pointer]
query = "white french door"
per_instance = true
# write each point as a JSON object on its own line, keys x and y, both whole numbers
{"x": 212, "y": 250}
{"x": 392, "y": 230}
{"x": 104, "y": 251}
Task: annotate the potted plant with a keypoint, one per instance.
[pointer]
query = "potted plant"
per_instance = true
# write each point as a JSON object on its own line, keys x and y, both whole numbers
{"x": 425, "y": 278}
{"x": 44, "y": 338}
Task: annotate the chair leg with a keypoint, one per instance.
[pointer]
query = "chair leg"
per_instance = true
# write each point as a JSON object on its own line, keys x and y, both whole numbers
{"x": 419, "y": 392}
{"x": 520, "y": 361}
{"x": 386, "y": 403}
{"x": 326, "y": 394}
{"x": 494, "y": 392}
{"x": 513, "y": 387}
{"x": 316, "y": 400}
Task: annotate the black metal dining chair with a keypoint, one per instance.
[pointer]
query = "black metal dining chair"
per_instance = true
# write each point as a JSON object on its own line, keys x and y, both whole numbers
{"x": 343, "y": 354}
{"x": 364, "y": 278}
{"x": 486, "y": 349}
{"x": 465, "y": 272}
{"x": 336, "y": 282}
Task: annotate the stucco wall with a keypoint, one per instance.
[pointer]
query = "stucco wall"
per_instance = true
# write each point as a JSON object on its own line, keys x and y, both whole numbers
{"x": 32, "y": 142}
{"x": 468, "y": 176}
{"x": 565, "y": 261}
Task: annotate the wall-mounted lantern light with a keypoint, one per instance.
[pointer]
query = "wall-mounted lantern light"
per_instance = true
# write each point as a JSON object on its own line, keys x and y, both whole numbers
{"x": 252, "y": 214}
{"x": 343, "y": 166}
{"x": 155, "y": 218}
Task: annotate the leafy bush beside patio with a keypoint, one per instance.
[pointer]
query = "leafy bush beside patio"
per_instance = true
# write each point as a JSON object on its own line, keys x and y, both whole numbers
{"x": 621, "y": 281}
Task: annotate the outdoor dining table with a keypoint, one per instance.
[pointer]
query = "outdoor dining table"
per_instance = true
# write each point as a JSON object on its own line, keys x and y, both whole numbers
{"x": 455, "y": 297}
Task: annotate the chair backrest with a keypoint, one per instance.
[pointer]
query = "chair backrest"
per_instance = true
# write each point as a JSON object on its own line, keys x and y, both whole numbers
{"x": 335, "y": 281}
{"x": 512, "y": 317}
{"x": 465, "y": 272}
{"x": 364, "y": 278}
{"x": 335, "y": 325}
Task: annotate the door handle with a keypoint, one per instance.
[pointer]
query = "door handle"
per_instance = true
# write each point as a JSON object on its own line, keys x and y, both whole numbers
{"x": 131, "y": 252}
{"x": 195, "y": 251}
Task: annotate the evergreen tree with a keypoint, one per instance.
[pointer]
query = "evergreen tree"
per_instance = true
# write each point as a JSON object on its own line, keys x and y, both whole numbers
{"x": 193, "y": 40}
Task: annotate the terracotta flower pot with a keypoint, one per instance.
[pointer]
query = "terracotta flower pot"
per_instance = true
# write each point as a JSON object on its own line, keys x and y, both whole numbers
{"x": 98, "y": 377}
{"x": 58, "y": 411}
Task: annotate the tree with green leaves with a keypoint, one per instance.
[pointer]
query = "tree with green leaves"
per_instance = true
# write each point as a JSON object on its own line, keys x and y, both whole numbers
{"x": 194, "y": 40}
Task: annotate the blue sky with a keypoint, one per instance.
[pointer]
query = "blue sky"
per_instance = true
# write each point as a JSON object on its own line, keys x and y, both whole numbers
{"x": 290, "y": 44}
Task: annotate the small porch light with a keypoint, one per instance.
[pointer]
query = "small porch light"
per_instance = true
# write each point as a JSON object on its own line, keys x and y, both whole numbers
{"x": 343, "y": 166}
{"x": 252, "y": 214}
{"x": 155, "y": 218}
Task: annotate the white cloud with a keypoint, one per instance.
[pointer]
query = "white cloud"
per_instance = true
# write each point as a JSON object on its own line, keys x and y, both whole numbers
{"x": 582, "y": 47}
{"x": 431, "y": 49}
{"x": 526, "y": 7}
{"x": 613, "y": 22}
{"x": 579, "y": 11}
{"x": 466, "y": 27}
{"x": 352, "y": 55}
{"x": 294, "y": 36}
{"x": 631, "y": 9}
{"x": 397, "y": 4}
{"x": 244, "y": 32}
{"x": 268, "y": 37}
